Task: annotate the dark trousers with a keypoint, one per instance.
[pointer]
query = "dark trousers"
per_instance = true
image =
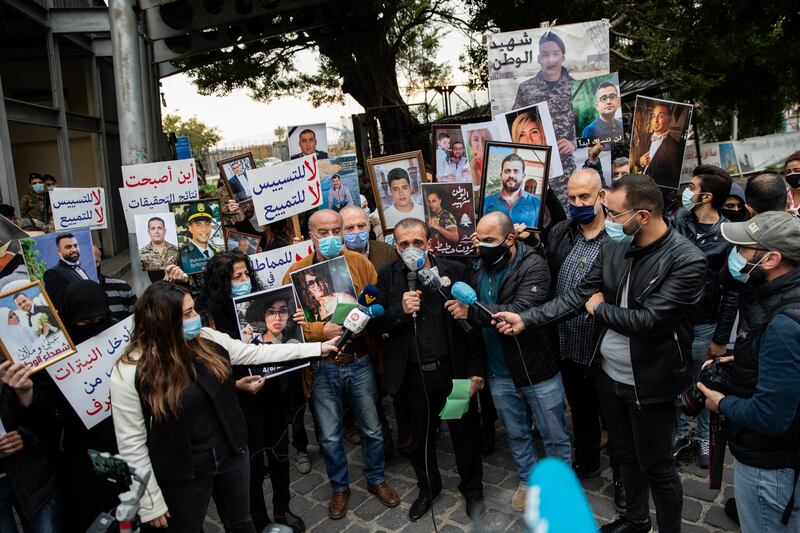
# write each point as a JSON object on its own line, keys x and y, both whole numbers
{"x": 297, "y": 419}
{"x": 641, "y": 440}
{"x": 465, "y": 432}
{"x": 267, "y": 423}
{"x": 221, "y": 473}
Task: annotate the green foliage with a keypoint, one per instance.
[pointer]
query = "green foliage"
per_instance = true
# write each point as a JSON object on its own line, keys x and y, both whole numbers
{"x": 33, "y": 261}
{"x": 280, "y": 132}
{"x": 201, "y": 136}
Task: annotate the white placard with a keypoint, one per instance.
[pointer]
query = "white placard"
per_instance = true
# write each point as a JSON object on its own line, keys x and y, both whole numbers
{"x": 286, "y": 189}
{"x": 83, "y": 207}
{"x": 272, "y": 265}
{"x": 718, "y": 154}
{"x": 85, "y": 377}
{"x": 151, "y": 187}
{"x": 758, "y": 153}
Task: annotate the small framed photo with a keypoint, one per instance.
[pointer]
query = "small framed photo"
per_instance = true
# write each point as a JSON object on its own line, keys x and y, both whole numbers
{"x": 452, "y": 164}
{"x": 246, "y": 243}
{"x": 31, "y": 332}
{"x": 323, "y": 286}
{"x": 200, "y": 238}
{"x": 450, "y": 214}
{"x": 515, "y": 180}
{"x": 233, "y": 173}
{"x": 396, "y": 181}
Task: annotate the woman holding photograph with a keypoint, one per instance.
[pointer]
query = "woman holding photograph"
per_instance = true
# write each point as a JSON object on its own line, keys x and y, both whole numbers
{"x": 319, "y": 297}
{"x": 176, "y": 413}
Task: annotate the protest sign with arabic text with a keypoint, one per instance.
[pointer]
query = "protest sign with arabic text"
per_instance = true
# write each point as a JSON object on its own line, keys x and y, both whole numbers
{"x": 85, "y": 378}
{"x": 290, "y": 188}
{"x": 83, "y": 207}
{"x": 272, "y": 265}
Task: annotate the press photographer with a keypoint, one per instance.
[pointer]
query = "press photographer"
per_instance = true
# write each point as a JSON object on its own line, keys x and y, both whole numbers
{"x": 765, "y": 423}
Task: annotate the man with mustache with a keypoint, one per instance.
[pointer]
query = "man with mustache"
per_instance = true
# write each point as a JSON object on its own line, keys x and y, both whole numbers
{"x": 521, "y": 206}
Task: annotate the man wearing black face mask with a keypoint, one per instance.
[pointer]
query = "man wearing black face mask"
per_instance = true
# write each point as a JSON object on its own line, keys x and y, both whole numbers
{"x": 511, "y": 276}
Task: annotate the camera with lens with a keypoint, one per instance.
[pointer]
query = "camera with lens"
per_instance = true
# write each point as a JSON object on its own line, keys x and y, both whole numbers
{"x": 716, "y": 376}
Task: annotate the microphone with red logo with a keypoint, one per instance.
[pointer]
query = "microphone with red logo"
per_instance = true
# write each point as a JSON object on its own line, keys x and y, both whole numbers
{"x": 358, "y": 317}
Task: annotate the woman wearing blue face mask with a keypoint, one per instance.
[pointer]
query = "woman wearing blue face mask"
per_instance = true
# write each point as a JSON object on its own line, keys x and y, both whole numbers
{"x": 176, "y": 412}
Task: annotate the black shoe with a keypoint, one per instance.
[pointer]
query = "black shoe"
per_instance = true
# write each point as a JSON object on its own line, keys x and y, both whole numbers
{"x": 623, "y": 525}
{"x": 292, "y": 520}
{"x": 620, "y": 501}
{"x": 584, "y": 471}
{"x": 680, "y": 445}
{"x": 475, "y": 506}
{"x": 421, "y": 505}
{"x": 730, "y": 509}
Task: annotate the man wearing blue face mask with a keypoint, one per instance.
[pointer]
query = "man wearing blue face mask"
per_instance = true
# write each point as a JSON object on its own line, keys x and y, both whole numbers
{"x": 571, "y": 249}
{"x": 356, "y": 238}
{"x": 350, "y": 372}
{"x": 699, "y": 221}
{"x": 641, "y": 291}
{"x": 764, "y": 410}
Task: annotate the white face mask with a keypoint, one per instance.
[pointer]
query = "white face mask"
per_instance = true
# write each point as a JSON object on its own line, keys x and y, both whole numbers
{"x": 414, "y": 258}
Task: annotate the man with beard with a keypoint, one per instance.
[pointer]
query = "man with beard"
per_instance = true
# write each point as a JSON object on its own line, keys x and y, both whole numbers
{"x": 196, "y": 253}
{"x": 606, "y": 124}
{"x": 521, "y": 206}
{"x": 458, "y": 166}
{"x": 66, "y": 271}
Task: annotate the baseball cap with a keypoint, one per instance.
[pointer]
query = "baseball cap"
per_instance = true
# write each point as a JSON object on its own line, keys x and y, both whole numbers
{"x": 773, "y": 230}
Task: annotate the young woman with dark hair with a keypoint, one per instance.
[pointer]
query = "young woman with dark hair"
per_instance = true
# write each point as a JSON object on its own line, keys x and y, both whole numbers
{"x": 231, "y": 274}
{"x": 176, "y": 413}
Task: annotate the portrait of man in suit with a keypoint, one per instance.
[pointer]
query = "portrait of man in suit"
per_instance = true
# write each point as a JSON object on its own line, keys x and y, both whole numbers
{"x": 659, "y": 151}
{"x": 238, "y": 182}
{"x": 67, "y": 270}
{"x": 308, "y": 145}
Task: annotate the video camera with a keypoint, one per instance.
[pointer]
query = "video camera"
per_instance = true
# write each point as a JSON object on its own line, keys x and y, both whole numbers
{"x": 117, "y": 470}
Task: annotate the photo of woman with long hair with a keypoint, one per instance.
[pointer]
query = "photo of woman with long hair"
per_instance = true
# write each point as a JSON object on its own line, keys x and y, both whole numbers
{"x": 318, "y": 292}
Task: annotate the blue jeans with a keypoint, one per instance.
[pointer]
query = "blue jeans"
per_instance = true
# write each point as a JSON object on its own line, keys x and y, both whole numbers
{"x": 703, "y": 334}
{"x": 43, "y": 522}
{"x": 762, "y": 495}
{"x": 357, "y": 380}
{"x": 548, "y": 404}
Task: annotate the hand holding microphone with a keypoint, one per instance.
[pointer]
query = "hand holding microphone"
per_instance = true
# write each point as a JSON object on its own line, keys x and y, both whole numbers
{"x": 433, "y": 281}
{"x": 506, "y": 322}
{"x": 357, "y": 320}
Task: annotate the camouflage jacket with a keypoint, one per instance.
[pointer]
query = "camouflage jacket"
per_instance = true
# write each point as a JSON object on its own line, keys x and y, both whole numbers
{"x": 153, "y": 259}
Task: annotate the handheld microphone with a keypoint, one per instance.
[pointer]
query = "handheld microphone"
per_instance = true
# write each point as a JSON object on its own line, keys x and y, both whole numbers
{"x": 431, "y": 280}
{"x": 556, "y": 500}
{"x": 411, "y": 278}
{"x": 356, "y": 321}
{"x": 466, "y": 295}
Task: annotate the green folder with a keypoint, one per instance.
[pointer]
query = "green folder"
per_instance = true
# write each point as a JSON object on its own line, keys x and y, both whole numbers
{"x": 458, "y": 401}
{"x": 342, "y": 310}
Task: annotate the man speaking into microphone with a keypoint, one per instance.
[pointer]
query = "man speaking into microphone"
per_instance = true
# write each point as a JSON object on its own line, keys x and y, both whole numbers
{"x": 425, "y": 350}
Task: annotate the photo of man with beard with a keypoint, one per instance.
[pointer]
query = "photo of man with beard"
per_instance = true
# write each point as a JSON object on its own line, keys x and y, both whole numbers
{"x": 511, "y": 199}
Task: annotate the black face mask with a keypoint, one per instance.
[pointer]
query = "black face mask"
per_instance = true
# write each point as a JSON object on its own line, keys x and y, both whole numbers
{"x": 495, "y": 257}
{"x": 734, "y": 216}
{"x": 81, "y": 333}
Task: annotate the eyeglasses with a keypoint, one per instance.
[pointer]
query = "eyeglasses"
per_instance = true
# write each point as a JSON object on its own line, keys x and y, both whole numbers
{"x": 314, "y": 282}
{"x": 613, "y": 216}
{"x": 272, "y": 313}
{"x": 608, "y": 98}
{"x": 740, "y": 247}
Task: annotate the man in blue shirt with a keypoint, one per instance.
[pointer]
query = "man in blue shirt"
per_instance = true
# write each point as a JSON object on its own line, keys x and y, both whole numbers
{"x": 765, "y": 415}
{"x": 607, "y": 102}
{"x": 521, "y": 206}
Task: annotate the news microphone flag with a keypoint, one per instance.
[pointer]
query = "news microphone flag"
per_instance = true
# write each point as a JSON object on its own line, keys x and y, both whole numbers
{"x": 356, "y": 321}
{"x": 368, "y": 295}
{"x": 556, "y": 502}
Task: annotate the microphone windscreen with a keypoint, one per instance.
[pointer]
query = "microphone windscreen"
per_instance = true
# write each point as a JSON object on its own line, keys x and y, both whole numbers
{"x": 429, "y": 279}
{"x": 375, "y": 311}
{"x": 556, "y": 501}
{"x": 463, "y": 293}
{"x": 368, "y": 295}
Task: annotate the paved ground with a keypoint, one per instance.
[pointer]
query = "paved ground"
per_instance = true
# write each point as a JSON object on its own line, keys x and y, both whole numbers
{"x": 702, "y": 508}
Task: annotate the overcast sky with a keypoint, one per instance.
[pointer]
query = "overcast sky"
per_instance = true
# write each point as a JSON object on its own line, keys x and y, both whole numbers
{"x": 242, "y": 120}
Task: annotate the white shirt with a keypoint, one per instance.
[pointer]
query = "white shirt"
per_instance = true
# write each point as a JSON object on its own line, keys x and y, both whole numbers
{"x": 655, "y": 145}
{"x": 245, "y": 184}
{"x": 393, "y": 216}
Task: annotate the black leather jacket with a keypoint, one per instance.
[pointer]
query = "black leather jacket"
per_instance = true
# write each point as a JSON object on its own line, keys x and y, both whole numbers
{"x": 666, "y": 282}
{"x": 720, "y": 301}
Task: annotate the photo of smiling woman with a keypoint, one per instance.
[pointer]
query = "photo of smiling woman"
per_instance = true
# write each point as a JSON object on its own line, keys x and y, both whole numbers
{"x": 267, "y": 317}
{"x": 322, "y": 287}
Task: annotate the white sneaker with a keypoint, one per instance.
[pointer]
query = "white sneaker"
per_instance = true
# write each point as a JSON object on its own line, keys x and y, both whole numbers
{"x": 518, "y": 500}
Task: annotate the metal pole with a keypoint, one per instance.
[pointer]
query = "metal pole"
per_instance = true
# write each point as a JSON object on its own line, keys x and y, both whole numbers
{"x": 130, "y": 106}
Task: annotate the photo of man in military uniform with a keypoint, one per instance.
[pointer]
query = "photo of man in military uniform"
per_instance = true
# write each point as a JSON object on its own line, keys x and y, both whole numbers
{"x": 159, "y": 252}
{"x": 199, "y": 233}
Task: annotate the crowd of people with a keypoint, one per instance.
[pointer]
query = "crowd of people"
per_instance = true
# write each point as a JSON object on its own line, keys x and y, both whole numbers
{"x": 613, "y": 313}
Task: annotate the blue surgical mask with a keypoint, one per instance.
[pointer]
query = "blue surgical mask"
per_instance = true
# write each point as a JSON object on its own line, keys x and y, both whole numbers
{"x": 240, "y": 289}
{"x": 737, "y": 262}
{"x": 191, "y": 327}
{"x": 582, "y": 214}
{"x": 686, "y": 199}
{"x": 330, "y": 247}
{"x": 38, "y": 188}
{"x": 414, "y": 258}
{"x": 617, "y": 234}
{"x": 356, "y": 241}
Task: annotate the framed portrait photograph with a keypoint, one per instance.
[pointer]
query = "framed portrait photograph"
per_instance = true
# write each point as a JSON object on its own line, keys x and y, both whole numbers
{"x": 267, "y": 317}
{"x": 68, "y": 253}
{"x": 452, "y": 164}
{"x": 658, "y": 139}
{"x": 531, "y": 125}
{"x": 597, "y": 105}
{"x": 157, "y": 237}
{"x": 450, "y": 214}
{"x": 308, "y": 139}
{"x": 323, "y": 286}
{"x": 246, "y": 243}
{"x": 475, "y": 136}
{"x": 199, "y": 228}
{"x": 396, "y": 183}
{"x": 233, "y": 173}
{"x": 31, "y": 332}
{"x": 515, "y": 181}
